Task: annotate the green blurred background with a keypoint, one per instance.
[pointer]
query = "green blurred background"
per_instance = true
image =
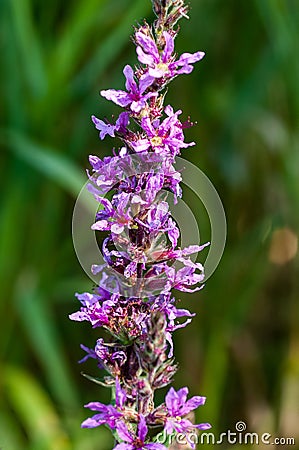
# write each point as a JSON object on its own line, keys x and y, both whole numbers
{"x": 242, "y": 349}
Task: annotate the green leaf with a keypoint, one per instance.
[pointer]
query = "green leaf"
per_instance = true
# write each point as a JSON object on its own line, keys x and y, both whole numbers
{"x": 74, "y": 38}
{"x": 108, "y": 50}
{"x": 48, "y": 162}
{"x": 34, "y": 409}
{"x": 29, "y": 46}
{"x": 35, "y": 317}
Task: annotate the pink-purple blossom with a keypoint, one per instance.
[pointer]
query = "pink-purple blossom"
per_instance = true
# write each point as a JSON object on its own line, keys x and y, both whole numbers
{"x": 165, "y": 138}
{"x": 163, "y": 64}
{"x": 105, "y": 127}
{"x": 107, "y": 414}
{"x": 136, "y": 441}
{"x": 177, "y": 407}
{"x": 135, "y": 96}
{"x": 132, "y": 302}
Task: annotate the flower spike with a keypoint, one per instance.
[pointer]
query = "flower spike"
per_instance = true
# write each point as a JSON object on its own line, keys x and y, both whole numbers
{"x": 133, "y": 301}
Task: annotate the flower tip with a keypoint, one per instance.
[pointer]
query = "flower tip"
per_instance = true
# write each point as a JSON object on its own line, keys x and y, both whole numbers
{"x": 205, "y": 426}
{"x": 103, "y": 93}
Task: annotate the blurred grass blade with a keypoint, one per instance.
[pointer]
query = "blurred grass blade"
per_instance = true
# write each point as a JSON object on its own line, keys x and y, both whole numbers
{"x": 73, "y": 40}
{"x": 35, "y": 410}
{"x": 56, "y": 167}
{"x": 111, "y": 46}
{"x": 29, "y": 46}
{"x": 10, "y": 75}
{"x": 13, "y": 206}
{"x": 35, "y": 317}
{"x": 10, "y": 434}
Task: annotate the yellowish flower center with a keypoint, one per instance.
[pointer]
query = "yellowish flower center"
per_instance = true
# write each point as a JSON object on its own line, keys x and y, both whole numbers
{"x": 156, "y": 141}
{"x": 163, "y": 67}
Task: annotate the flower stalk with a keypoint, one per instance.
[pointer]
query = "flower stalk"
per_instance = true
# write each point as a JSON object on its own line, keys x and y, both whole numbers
{"x": 143, "y": 263}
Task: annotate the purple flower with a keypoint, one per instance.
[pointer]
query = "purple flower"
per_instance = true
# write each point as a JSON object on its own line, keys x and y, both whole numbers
{"x": 177, "y": 407}
{"x": 135, "y": 442}
{"x": 96, "y": 313}
{"x": 166, "y": 138}
{"x": 90, "y": 353}
{"x": 107, "y": 128}
{"x": 110, "y": 218}
{"x": 103, "y": 127}
{"x": 172, "y": 178}
{"x": 165, "y": 304}
{"x": 134, "y": 97}
{"x": 107, "y": 414}
{"x": 109, "y": 355}
{"x": 163, "y": 64}
{"x": 132, "y": 301}
{"x": 184, "y": 277}
{"x": 173, "y": 232}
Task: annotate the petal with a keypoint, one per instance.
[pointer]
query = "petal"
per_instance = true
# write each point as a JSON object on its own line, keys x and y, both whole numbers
{"x": 194, "y": 403}
{"x": 145, "y": 82}
{"x": 181, "y": 325}
{"x": 194, "y": 249}
{"x": 95, "y": 162}
{"x": 147, "y": 44}
{"x": 142, "y": 428}
{"x": 169, "y": 46}
{"x": 190, "y": 58}
{"x": 168, "y": 338}
{"x": 101, "y": 225}
{"x": 168, "y": 427}
{"x": 87, "y": 299}
{"x": 97, "y": 268}
{"x": 117, "y": 228}
{"x": 90, "y": 423}
{"x": 157, "y": 73}
{"x": 186, "y": 68}
{"x": 104, "y": 201}
{"x": 169, "y": 110}
{"x": 182, "y": 425}
{"x": 184, "y": 313}
{"x": 121, "y": 98}
{"x": 123, "y": 432}
{"x": 173, "y": 233}
{"x": 185, "y": 289}
{"x": 203, "y": 426}
{"x": 79, "y": 316}
{"x": 182, "y": 394}
{"x": 147, "y": 126}
{"x": 104, "y": 128}
{"x": 124, "y": 446}
{"x": 171, "y": 400}
{"x": 120, "y": 394}
{"x": 155, "y": 447}
{"x": 131, "y": 85}
{"x": 122, "y": 121}
{"x": 137, "y": 106}
{"x": 144, "y": 58}
{"x": 90, "y": 353}
{"x": 141, "y": 145}
{"x": 96, "y": 406}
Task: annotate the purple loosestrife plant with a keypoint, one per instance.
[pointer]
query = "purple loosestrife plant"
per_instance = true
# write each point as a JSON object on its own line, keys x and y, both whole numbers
{"x": 133, "y": 301}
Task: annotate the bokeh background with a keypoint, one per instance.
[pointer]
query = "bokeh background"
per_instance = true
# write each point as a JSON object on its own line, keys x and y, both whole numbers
{"x": 242, "y": 349}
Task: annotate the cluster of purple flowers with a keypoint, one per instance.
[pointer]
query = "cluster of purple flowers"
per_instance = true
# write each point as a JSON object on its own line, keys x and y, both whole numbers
{"x": 133, "y": 302}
